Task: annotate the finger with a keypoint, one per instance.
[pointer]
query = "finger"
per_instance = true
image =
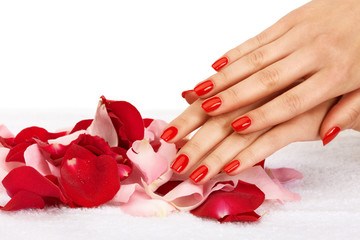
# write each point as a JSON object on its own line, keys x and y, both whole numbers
{"x": 190, "y": 96}
{"x": 250, "y": 63}
{"x": 205, "y": 139}
{"x": 343, "y": 115}
{"x": 224, "y": 152}
{"x": 293, "y": 102}
{"x": 265, "y": 37}
{"x": 263, "y": 83}
{"x": 189, "y": 120}
{"x": 302, "y": 128}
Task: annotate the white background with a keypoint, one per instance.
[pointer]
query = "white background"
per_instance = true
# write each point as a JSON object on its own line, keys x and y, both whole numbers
{"x": 66, "y": 54}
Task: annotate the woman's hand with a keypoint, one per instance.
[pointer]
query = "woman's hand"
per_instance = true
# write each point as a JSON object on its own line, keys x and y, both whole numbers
{"x": 215, "y": 146}
{"x": 319, "y": 42}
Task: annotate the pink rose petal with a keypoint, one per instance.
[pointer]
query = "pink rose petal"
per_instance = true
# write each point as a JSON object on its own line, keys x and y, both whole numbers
{"x": 285, "y": 175}
{"x": 34, "y": 158}
{"x": 5, "y": 132}
{"x": 103, "y": 127}
{"x": 151, "y": 165}
{"x": 140, "y": 204}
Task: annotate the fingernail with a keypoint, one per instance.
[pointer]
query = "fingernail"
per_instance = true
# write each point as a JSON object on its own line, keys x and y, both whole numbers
{"x": 199, "y": 174}
{"x": 241, "y": 124}
{"x": 231, "y": 166}
{"x": 211, "y": 104}
{"x": 169, "y": 134}
{"x": 219, "y": 64}
{"x": 204, "y": 87}
{"x": 330, "y": 135}
{"x": 183, "y": 94}
{"x": 180, "y": 163}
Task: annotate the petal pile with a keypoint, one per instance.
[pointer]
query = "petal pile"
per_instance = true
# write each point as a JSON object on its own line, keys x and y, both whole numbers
{"x": 119, "y": 158}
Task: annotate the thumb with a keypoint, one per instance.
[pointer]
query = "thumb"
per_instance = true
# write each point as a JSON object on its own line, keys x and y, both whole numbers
{"x": 343, "y": 115}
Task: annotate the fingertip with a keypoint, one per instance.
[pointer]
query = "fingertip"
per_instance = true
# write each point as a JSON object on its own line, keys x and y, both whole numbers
{"x": 220, "y": 63}
{"x": 330, "y": 135}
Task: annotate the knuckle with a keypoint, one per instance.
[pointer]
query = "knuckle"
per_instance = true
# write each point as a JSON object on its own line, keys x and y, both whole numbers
{"x": 256, "y": 58}
{"x": 214, "y": 160}
{"x": 233, "y": 95}
{"x": 248, "y": 156}
{"x": 193, "y": 147}
{"x": 182, "y": 121}
{"x": 260, "y": 39}
{"x": 352, "y": 115}
{"x": 292, "y": 102}
{"x": 221, "y": 77}
{"x": 269, "y": 78}
{"x": 220, "y": 121}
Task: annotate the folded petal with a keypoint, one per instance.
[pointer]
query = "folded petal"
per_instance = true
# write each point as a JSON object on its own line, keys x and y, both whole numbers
{"x": 28, "y": 134}
{"x": 129, "y": 116}
{"x": 220, "y": 204}
{"x": 103, "y": 127}
{"x": 151, "y": 164}
{"x": 285, "y": 175}
{"x": 34, "y": 158}
{"x": 16, "y": 154}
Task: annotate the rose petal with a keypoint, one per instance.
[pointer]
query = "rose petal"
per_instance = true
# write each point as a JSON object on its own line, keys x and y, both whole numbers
{"x": 27, "y": 135}
{"x": 82, "y": 125}
{"x": 16, "y": 153}
{"x": 5, "y": 132}
{"x": 34, "y": 158}
{"x": 24, "y": 200}
{"x": 141, "y": 204}
{"x": 244, "y": 198}
{"x": 151, "y": 165}
{"x": 28, "y": 179}
{"x": 103, "y": 127}
{"x": 87, "y": 179}
{"x": 129, "y": 116}
{"x": 124, "y": 171}
{"x": 285, "y": 175}
{"x": 242, "y": 217}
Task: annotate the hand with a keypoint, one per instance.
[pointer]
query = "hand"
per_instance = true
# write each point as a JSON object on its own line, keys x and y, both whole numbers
{"x": 216, "y": 146}
{"x": 319, "y": 42}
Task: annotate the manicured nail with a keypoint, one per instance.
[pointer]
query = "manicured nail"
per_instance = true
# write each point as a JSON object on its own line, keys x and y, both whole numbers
{"x": 211, "y": 104}
{"x": 241, "y": 124}
{"x": 219, "y": 64}
{"x": 169, "y": 134}
{"x": 204, "y": 87}
{"x": 183, "y": 94}
{"x": 330, "y": 135}
{"x": 199, "y": 174}
{"x": 180, "y": 163}
{"x": 231, "y": 166}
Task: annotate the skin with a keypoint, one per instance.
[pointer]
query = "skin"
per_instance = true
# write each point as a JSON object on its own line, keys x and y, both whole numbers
{"x": 318, "y": 43}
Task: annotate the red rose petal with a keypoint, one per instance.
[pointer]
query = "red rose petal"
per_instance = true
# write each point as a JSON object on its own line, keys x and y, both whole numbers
{"x": 124, "y": 171}
{"x": 7, "y": 142}
{"x": 24, "y": 200}
{"x": 220, "y": 204}
{"x": 243, "y": 217}
{"x": 87, "y": 179}
{"x": 26, "y": 178}
{"x": 129, "y": 116}
{"x": 28, "y": 134}
{"x": 82, "y": 125}
{"x": 55, "y": 150}
{"x": 261, "y": 164}
{"x": 147, "y": 122}
{"x": 16, "y": 154}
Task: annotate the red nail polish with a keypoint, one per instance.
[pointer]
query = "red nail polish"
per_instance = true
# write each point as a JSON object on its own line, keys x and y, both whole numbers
{"x": 180, "y": 163}
{"x": 211, "y": 104}
{"x": 199, "y": 174}
{"x": 231, "y": 166}
{"x": 204, "y": 87}
{"x": 241, "y": 124}
{"x": 219, "y": 64}
{"x": 330, "y": 135}
{"x": 169, "y": 134}
{"x": 183, "y": 94}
